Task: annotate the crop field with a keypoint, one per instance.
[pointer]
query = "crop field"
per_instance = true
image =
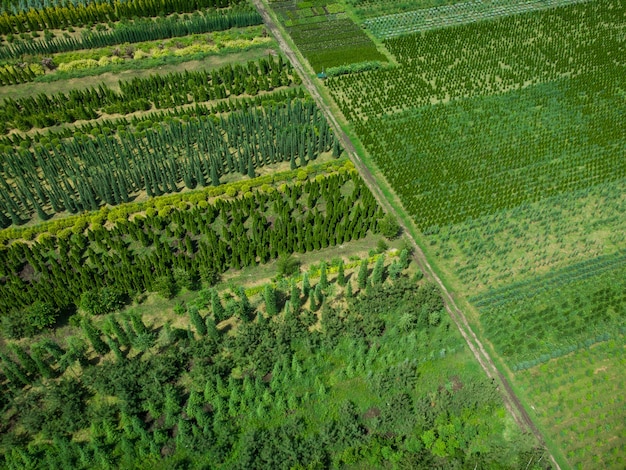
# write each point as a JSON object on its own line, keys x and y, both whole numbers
{"x": 376, "y": 8}
{"x": 578, "y": 397}
{"x": 325, "y": 36}
{"x": 502, "y": 133}
{"x": 457, "y": 13}
{"x": 528, "y": 324}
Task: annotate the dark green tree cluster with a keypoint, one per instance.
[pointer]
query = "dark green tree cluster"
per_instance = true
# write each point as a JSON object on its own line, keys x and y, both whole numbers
{"x": 160, "y": 91}
{"x": 83, "y": 173}
{"x": 269, "y": 395}
{"x": 66, "y": 14}
{"x": 136, "y": 31}
{"x": 202, "y": 241}
{"x": 138, "y": 123}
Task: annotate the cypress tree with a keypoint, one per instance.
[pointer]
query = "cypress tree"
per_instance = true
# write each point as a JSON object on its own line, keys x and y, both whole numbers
{"x": 362, "y": 276}
{"x": 215, "y": 179}
{"x": 378, "y": 272}
{"x": 119, "y": 332}
{"x": 341, "y": 276}
{"x": 394, "y": 270}
{"x": 93, "y": 334}
{"x": 212, "y": 331}
{"x": 349, "y": 293}
{"x": 319, "y": 294}
{"x": 404, "y": 258}
{"x": 250, "y": 167}
{"x": 115, "y": 347}
{"x": 27, "y": 362}
{"x": 197, "y": 321}
{"x": 219, "y": 313}
{"x": 323, "y": 276}
{"x": 42, "y": 366}
{"x": 295, "y": 296}
{"x": 306, "y": 286}
{"x": 269, "y": 295}
{"x": 246, "y": 308}
{"x": 14, "y": 372}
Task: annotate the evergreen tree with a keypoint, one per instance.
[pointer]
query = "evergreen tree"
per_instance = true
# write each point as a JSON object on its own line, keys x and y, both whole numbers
{"x": 349, "y": 293}
{"x": 395, "y": 269}
{"x": 93, "y": 335}
{"x": 211, "y": 329}
{"x": 363, "y": 275}
{"x": 269, "y": 295}
{"x": 197, "y": 321}
{"x": 14, "y": 372}
{"x": 115, "y": 347}
{"x": 306, "y": 286}
{"x": 27, "y": 362}
{"x": 219, "y": 313}
{"x": 323, "y": 276}
{"x": 378, "y": 272}
{"x": 119, "y": 332}
{"x": 138, "y": 324}
{"x": 404, "y": 258}
{"x": 319, "y": 294}
{"x": 341, "y": 275}
{"x": 295, "y": 296}
{"x": 251, "y": 173}
{"x": 246, "y": 307}
{"x": 43, "y": 367}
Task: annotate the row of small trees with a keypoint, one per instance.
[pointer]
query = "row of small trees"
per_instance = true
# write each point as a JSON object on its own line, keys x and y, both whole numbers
{"x": 70, "y": 14}
{"x": 82, "y": 173}
{"x": 184, "y": 245}
{"x": 160, "y": 91}
{"x": 135, "y": 31}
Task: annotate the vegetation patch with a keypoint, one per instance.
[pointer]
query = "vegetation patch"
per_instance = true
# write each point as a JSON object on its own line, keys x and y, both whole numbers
{"x": 326, "y": 40}
{"x": 454, "y": 13}
{"x": 301, "y": 372}
{"x": 528, "y": 324}
{"x": 577, "y": 398}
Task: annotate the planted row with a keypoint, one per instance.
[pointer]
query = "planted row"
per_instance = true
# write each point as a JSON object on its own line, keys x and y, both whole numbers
{"x": 70, "y": 14}
{"x": 85, "y": 172}
{"x": 136, "y": 31}
{"x": 160, "y": 91}
{"x": 202, "y": 240}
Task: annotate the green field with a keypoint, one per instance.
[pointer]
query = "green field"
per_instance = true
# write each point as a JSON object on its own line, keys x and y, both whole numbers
{"x": 193, "y": 274}
{"x": 325, "y": 36}
{"x": 578, "y": 398}
{"x": 503, "y": 137}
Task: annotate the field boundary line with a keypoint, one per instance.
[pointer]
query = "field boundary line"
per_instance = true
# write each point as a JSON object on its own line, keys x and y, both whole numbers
{"x": 511, "y": 401}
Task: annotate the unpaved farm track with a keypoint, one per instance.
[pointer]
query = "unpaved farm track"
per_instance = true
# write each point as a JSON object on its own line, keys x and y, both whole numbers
{"x": 511, "y": 401}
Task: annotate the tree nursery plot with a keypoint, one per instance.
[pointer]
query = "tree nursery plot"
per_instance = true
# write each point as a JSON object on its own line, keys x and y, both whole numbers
{"x": 578, "y": 398}
{"x": 450, "y": 13}
{"x": 141, "y": 222}
{"x": 325, "y": 36}
{"x": 307, "y": 371}
{"x": 503, "y": 137}
{"x": 188, "y": 234}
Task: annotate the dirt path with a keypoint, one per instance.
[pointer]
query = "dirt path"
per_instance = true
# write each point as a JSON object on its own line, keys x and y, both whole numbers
{"x": 511, "y": 401}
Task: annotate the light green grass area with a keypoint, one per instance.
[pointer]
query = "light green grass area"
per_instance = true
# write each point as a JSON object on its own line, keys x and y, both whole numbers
{"x": 579, "y": 399}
